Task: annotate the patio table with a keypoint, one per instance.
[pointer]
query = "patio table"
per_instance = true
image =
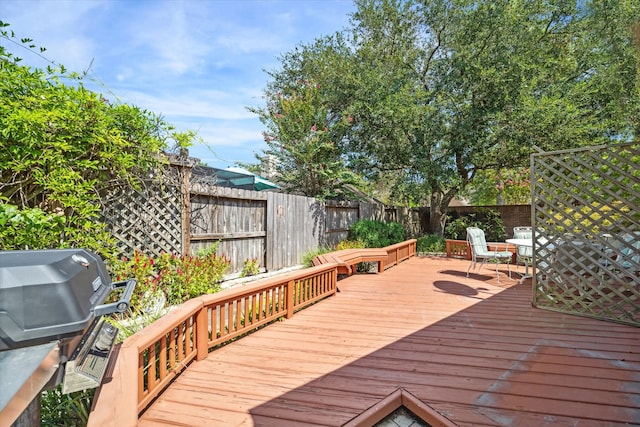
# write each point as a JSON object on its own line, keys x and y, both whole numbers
{"x": 526, "y": 243}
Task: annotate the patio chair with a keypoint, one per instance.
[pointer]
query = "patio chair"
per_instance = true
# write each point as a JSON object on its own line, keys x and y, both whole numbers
{"x": 622, "y": 259}
{"x": 524, "y": 254}
{"x": 480, "y": 252}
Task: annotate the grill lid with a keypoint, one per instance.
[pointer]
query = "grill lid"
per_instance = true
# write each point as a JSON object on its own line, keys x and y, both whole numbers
{"x": 49, "y": 294}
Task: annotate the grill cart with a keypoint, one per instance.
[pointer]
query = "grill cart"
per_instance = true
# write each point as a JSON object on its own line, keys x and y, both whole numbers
{"x": 52, "y": 329}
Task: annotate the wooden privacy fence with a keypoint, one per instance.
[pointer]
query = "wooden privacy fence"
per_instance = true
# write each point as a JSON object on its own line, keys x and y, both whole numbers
{"x": 586, "y": 219}
{"x": 146, "y": 362}
{"x": 182, "y": 214}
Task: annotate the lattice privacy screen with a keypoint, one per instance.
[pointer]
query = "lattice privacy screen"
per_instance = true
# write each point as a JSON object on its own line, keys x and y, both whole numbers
{"x": 586, "y": 217}
{"x": 148, "y": 219}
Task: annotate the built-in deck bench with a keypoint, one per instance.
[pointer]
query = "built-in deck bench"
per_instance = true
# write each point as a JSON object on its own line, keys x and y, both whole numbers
{"x": 347, "y": 259}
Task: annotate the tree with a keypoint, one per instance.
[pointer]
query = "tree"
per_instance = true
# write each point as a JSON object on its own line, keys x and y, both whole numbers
{"x": 64, "y": 146}
{"x": 489, "y": 80}
{"x": 441, "y": 90}
{"x": 303, "y": 136}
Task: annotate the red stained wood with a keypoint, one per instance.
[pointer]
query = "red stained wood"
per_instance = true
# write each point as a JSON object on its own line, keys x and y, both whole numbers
{"x": 473, "y": 350}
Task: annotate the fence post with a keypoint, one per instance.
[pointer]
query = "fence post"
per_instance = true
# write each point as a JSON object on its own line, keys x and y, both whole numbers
{"x": 185, "y": 192}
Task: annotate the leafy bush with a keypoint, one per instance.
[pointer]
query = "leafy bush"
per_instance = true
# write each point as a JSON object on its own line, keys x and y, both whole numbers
{"x": 28, "y": 228}
{"x": 179, "y": 278}
{"x": 132, "y": 322}
{"x": 349, "y": 244}
{"x": 395, "y": 232}
{"x": 307, "y": 258}
{"x": 33, "y": 228}
{"x": 376, "y": 234}
{"x": 431, "y": 243}
{"x": 251, "y": 267}
{"x": 489, "y": 220}
{"x": 63, "y": 148}
{"x": 72, "y": 409}
{"x": 457, "y": 228}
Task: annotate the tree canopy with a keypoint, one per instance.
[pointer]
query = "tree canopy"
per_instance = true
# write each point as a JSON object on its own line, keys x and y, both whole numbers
{"x": 304, "y": 139}
{"x": 433, "y": 92}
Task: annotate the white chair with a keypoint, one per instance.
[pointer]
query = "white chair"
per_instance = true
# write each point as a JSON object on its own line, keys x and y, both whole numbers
{"x": 480, "y": 252}
{"x": 524, "y": 254}
{"x": 622, "y": 259}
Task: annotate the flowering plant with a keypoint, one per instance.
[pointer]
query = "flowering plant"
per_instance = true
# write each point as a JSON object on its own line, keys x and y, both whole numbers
{"x": 514, "y": 185}
{"x": 498, "y": 187}
{"x": 304, "y": 136}
{"x": 178, "y": 277}
{"x": 251, "y": 267}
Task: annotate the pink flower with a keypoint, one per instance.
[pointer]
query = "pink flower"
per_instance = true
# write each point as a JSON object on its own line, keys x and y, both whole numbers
{"x": 313, "y": 128}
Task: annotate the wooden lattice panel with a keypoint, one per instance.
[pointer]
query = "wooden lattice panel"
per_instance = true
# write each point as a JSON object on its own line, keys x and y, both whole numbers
{"x": 587, "y": 241}
{"x": 148, "y": 219}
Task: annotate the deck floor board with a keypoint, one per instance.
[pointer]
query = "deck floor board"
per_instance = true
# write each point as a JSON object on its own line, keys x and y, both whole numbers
{"x": 472, "y": 349}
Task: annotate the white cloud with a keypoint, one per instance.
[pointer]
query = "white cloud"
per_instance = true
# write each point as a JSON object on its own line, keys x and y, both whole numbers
{"x": 225, "y": 135}
{"x": 203, "y": 104}
{"x": 166, "y": 35}
{"x": 250, "y": 40}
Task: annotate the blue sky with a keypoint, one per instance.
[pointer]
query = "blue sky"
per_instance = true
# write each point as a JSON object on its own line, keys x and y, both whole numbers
{"x": 197, "y": 63}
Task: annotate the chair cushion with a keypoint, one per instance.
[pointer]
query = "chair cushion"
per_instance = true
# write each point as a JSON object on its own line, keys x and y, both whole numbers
{"x": 524, "y": 251}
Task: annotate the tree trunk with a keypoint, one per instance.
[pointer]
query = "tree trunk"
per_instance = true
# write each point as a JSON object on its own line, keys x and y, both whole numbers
{"x": 436, "y": 213}
{"x": 438, "y": 210}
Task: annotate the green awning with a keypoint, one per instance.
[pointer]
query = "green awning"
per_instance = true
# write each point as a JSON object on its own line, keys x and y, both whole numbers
{"x": 235, "y": 178}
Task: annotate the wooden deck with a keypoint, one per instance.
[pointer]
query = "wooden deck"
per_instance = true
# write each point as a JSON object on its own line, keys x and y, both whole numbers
{"x": 476, "y": 352}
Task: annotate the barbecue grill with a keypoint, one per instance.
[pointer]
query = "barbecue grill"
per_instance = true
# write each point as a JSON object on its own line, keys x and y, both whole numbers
{"x": 52, "y": 329}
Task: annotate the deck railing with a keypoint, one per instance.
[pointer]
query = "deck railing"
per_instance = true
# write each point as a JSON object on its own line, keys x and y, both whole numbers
{"x": 457, "y": 249}
{"x": 147, "y": 361}
{"x": 400, "y": 252}
{"x": 460, "y": 249}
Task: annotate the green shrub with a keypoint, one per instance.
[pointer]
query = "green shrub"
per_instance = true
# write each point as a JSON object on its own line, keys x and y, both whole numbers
{"x": 251, "y": 267}
{"x": 132, "y": 322}
{"x": 488, "y": 219}
{"x": 307, "y": 258}
{"x": 395, "y": 232}
{"x": 72, "y": 409}
{"x": 64, "y": 149}
{"x": 431, "y": 243}
{"x": 33, "y": 228}
{"x": 376, "y": 234}
{"x": 349, "y": 244}
{"x": 28, "y": 228}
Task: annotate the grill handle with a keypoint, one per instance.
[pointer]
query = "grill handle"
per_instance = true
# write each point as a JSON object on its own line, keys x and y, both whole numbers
{"x": 121, "y": 305}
